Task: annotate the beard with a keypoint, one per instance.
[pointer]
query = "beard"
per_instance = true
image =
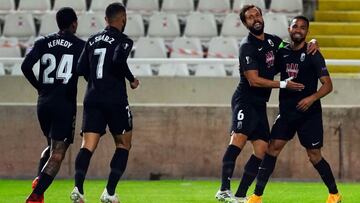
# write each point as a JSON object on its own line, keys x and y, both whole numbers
{"x": 297, "y": 38}
{"x": 257, "y": 29}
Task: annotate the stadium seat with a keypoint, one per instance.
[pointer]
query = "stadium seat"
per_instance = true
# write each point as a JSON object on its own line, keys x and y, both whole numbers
{"x": 35, "y": 6}
{"x": 134, "y": 26}
{"x": 200, "y": 25}
{"x": 184, "y": 47}
{"x": 235, "y": 71}
{"x": 221, "y": 47}
{"x": 99, "y": 6}
{"x": 48, "y": 23}
{"x": 238, "y": 4}
{"x": 8, "y": 41}
{"x": 7, "y": 6}
{"x": 147, "y": 47}
{"x": 145, "y": 7}
{"x": 16, "y": 70}
{"x": 77, "y": 5}
{"x": 277, "y": 24}
{"x": 10, "y": 51}
{"x": 165, "y": 25}
{"x": 20, "y": 25}
{"x": 210, "y": 70}
{"x": 173, "y": 69}
{"x": 214, "y": 6}
{"x": 289, "y": 6}
{"x": 140, "y": 69}
{"x": 233, "y": 27}
{"x": 183, "y": 7}
{"x": 90, "y": 23}
{"x": 2, "y": 69}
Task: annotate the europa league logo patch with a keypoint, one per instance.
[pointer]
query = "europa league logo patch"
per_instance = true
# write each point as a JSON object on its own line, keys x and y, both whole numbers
{"x": 302, "y": 57}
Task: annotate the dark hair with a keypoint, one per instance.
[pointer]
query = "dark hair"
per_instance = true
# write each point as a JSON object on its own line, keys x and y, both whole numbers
{"x": 246, "y": 8}
{"x": 65, "y": 17}
{"x": 113, "y": 9}
{"x": 302, "y": 18}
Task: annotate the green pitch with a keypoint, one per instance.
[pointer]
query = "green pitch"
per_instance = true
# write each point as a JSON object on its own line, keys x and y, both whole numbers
{"x": 15, "y": 191}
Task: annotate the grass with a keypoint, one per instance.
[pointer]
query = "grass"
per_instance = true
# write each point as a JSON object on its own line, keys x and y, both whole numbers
{"x": 176, "y": 191}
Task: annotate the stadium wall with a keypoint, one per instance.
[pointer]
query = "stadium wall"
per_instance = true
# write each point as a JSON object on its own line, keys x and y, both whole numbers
{"x": 176, "y": 141}
{"x": 179, "y": 90}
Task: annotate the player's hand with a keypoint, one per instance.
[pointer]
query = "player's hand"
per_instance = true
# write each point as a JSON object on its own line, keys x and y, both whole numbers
{"x": 135, "y": 84}
{"x": 312, "y": 47}
{"x": 294, "y": 86}
{"x": 305, "y": 103}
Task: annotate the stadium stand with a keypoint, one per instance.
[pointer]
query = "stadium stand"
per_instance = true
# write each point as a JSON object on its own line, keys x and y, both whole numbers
{"x": 99, "y": 6}
{"x": 276, "y": 23}
{"x": 185, "y": 47}
{"x": 148, "y": 47}
{"x": 238, "y": 4}
{"x": 90, "y": 23}
{"x": 20, "y": 25}
{"x": 6, "y": 7}
{"x": 145, "y": 7}
{"x": 217, "y": 7}
{"x": 233, "y": 27}
{"x": 77, "y": 5}
{"x": 165, "y": 25}
{"x": 141, "y": 69}
{"x": 183, "y": 7}
{"x": 2, "y": 70}
{"x": 223, "y": 47}
{"x": 210, "y": 70}
{"x": 202, "y": 25}
{"x": 135, "y": 26}
{"x": 290, "y": 7}
{"x": 48, "y": 24}
{"x": 35, "y": 6}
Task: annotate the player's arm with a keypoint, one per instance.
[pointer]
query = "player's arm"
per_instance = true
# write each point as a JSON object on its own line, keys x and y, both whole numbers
{"x": 122, "y": 52}
{"x": 312, "y": 47}
{"x": 83, "y": 66}
{"x": 326, "y": 83}
{"x": 27, "y": 66}
{"x": 256, "y": 81}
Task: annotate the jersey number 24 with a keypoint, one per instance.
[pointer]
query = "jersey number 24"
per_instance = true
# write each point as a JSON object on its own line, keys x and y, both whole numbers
{"x": 63, "y": 71}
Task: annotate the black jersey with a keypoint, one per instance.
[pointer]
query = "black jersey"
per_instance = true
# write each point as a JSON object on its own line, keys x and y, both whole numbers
{"x": 257, "y": 55}
{"x": 58, "y": 54}
{"x": 103, "y": 64}
{"x": 306, "y": 69}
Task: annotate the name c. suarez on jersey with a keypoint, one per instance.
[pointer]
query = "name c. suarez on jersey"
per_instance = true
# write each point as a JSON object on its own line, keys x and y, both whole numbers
{"x": 60, "y": 42}
{"x": 104, "y": 38}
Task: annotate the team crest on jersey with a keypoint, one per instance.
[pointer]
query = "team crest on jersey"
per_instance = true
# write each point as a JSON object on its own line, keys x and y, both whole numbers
{"x": 302, "y": 57}
{"x": 292, "y": 69}
{"x": 270, "y": 58}
{"x": 271, "y": 42}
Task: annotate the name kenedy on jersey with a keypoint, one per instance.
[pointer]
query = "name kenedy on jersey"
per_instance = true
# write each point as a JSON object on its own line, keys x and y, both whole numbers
{"x": 60, "y": 42}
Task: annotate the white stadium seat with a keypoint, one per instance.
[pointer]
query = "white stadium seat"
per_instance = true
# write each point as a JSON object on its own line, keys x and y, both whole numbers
{"x": 143, "y": 6}
{"x": 77, "y": 5}
{"x": 2, "y": 69}
{"x": 140, "y": 69}
{"x": 214, "y": 6}
{"x": 173, "y": 69}
{"x": 233, "y": 27}
{"x": 147, "y": 47}
{"x": 99, "y": 6}
{"x": 182, "y": 7}
{"x": 7, "y": 6}
{"x": 202, "y": 25}
{"x": 90, "y": 23}
{"x": 10, "y": 51}
{"x": 288, "y": 6}
{"x": 48, "y": 23}
{"x": 210, "y": 70}
{"x": 134, "y": 26}
{"x": 277, "y": 24}
{"x": 238, "y": 4}
{"x": 35, "y": 6}
{"x": 164, "y": 25}
{"x": 8, "y": 41}
{"x": 184, "y": 47}
{"x": 20, "y": 25}
{"x": 221, "y": 47}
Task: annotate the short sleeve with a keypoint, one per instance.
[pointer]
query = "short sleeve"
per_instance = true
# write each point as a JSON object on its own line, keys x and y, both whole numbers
{"x": 247, "y": 58}
{"x": 319, "y": 64}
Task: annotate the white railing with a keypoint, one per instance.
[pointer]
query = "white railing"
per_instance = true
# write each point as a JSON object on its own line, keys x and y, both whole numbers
{"x": 191, "y": 61}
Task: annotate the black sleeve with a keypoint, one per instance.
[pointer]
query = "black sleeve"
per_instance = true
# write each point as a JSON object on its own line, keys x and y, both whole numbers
{"x": 247, "y": 58}
{"x": 30, "y": 60}
{"x": 277, "y": 63}
{"x": 122, "y": 52}
{"x": 82, "y": 67}
{"x": 319, "y": 64}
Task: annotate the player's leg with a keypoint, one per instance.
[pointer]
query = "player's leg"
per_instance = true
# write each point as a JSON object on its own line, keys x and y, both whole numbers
{"x": 120, "y": 124}
{"x": 259, "y": 140}
{"x": 311, "y": 137}
{"x": 45, "y": 154}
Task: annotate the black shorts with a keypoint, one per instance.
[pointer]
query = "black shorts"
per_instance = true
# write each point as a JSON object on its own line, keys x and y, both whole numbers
{"x": 251, "y": 120}
{"x": 57, "y": 121}
{"x": 98, "y": 115}
{"x": 309, "y": 129}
